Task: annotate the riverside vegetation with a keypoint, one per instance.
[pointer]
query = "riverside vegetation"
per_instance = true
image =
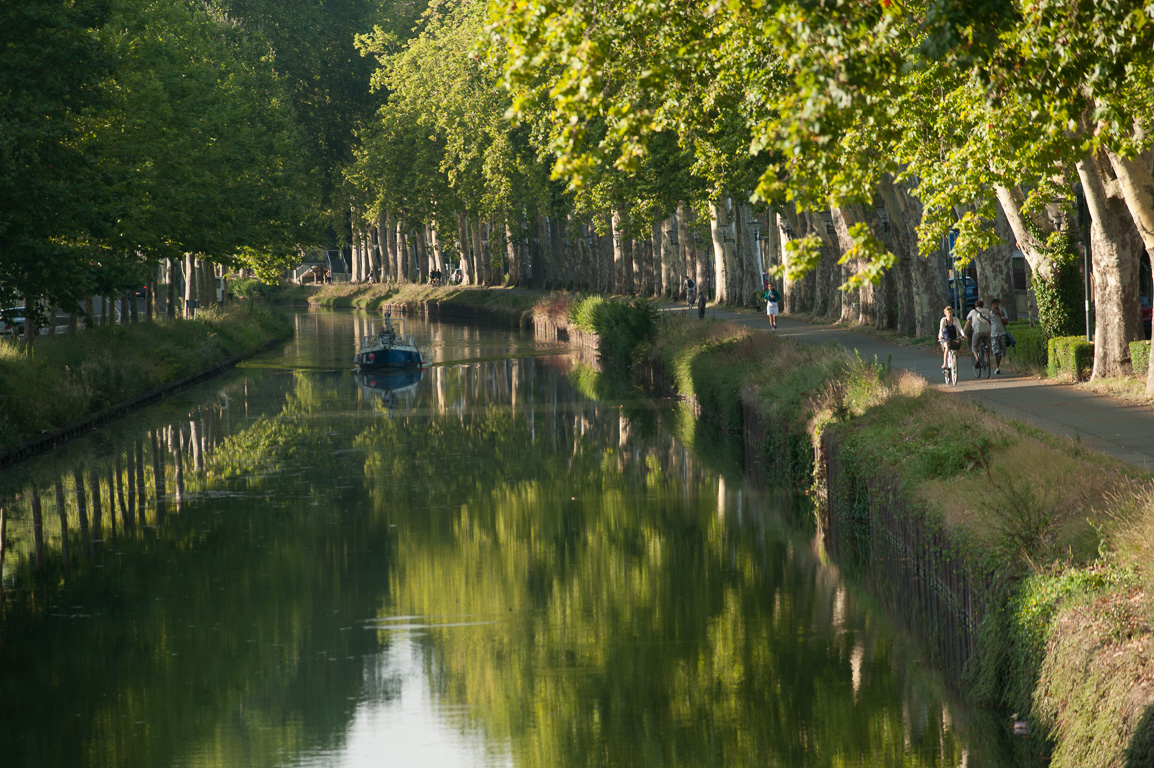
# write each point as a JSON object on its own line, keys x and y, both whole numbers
{"x": 1059, "y": 539}
{"x": 67, "y": 377}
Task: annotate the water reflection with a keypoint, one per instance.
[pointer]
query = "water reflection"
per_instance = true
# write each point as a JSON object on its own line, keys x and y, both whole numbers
{"x": 508, "y": 571}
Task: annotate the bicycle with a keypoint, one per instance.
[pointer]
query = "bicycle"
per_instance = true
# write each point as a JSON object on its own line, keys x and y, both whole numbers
{"x": 951, "y": 370}
{"x": 983, "y": 361}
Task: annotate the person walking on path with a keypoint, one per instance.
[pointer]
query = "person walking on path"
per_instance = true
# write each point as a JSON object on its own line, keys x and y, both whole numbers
{"x": 979, "y": 318}
{"x": 772, "y": 298}
{"x": 949, "y": 330}
{"x": 998, "y": 322}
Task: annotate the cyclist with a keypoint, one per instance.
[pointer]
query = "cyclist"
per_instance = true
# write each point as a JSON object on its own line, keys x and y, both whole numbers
{"x": 690, "y": 288}
{"x": 980, "y": 318}
{"x": 949, "y": 329}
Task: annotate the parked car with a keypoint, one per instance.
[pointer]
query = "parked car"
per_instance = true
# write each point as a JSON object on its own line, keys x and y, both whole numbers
{"x": 971, "y": 295}
{"x": 12, "y": 321}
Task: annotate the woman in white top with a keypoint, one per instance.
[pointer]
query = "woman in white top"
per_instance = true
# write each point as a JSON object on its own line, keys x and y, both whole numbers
{"x": 949, "y": 329}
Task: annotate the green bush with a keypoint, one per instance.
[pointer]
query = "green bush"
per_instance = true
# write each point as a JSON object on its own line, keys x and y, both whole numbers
{"x": 625, "y": 328}
{"x": 1061, "y": 293}
{"x": 1140, "y": 357}
{"x": 1070, "y": 356}
{"x": 1029, "y": 349}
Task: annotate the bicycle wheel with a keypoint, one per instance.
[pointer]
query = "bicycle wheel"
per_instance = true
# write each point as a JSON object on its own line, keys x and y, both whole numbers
{"x": 952, "y": 371}
{"x": 986, "y": 367}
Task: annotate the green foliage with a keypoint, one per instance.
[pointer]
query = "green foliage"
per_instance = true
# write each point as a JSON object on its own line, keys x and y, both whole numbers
{"x": 1061, "y": 293}
{"x": 1021, "y": 630}
{"x": 1140, "y": 357}
{"x": 1070, "y": 356}
{"x": 626, "y": 328}
{"x": 1030, "y": 348}
{"x": 69, "y": 377}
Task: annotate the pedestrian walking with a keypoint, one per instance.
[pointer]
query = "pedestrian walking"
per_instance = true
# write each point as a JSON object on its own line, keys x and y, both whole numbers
{"x": 998, "y": 334}
{"x": 772, "y": 298}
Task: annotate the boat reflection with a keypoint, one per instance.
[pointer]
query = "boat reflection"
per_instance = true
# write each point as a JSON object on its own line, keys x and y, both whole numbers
{"x": 390, "y": 387}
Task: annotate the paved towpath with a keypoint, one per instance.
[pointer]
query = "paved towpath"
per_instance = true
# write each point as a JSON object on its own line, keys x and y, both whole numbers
{"x": 1116, "y": 427}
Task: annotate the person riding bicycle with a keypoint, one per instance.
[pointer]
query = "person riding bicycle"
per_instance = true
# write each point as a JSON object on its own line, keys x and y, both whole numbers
{"x": 980, "y": 318}
{"x": 949, "y": 330}
{"x": 690, "y": 295}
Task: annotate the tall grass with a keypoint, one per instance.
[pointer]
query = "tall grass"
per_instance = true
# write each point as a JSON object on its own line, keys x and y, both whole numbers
{"x": 64, "y": 378}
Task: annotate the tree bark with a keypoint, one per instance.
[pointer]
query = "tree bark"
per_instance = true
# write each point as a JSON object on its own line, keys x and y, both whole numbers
{"x": 717, "y": 220}
{"x": 1115, "y": 244}
{"x": 1030, "y": 230}
{"x": 422, "y": 256}
{"x": 619, "y": 284}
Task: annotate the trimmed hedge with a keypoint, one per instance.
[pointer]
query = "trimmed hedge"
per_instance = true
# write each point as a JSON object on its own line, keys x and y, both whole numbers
{"x": 1070, "y": 356}
{"x": 1030, "y": 347}
{"x": 1140, "y": 357}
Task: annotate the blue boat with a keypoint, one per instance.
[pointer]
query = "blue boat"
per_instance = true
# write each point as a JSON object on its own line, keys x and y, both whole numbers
{"x": 388, "y": 349}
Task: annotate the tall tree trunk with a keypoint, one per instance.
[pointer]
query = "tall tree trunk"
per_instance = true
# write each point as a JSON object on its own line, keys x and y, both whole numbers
{"x": 557, "y": 251}
{"x": 463, "y": 246}
{"x": 170, "y": 295}
{"x": 718, "y": 220}
{"x": 1115, "y": 243}
{"x": 996, "y": 270}
{"x": 1030, "y": 229}
{"x": 480, "y": 268}
{"x": 422, "y": 256}
{"x": 389, "y": 235}
{"x": 539, "y": 249}
{"x": 190, "y": 284}
{"x": 616, "y": 224}
{"x": 687, "y": 252}
{"x": 438, "y": 251}
{"x": 512, "y": 255}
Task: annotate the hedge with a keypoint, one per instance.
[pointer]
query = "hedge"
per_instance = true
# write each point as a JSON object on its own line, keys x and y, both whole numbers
{"x": 1030, "y": 346}
{"x": 1140, "y": 357}
{"x": 1070, "y": 356}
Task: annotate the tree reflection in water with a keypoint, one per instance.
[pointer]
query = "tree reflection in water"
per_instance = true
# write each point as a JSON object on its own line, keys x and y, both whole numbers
{"x": 255, "y": 569}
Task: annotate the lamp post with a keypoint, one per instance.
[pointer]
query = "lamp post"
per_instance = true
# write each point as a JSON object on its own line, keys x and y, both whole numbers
{"x": 1087, "y": 255}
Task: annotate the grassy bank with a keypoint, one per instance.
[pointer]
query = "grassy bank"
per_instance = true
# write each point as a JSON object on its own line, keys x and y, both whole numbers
{"x": 514, "y": 304}
{"x": 1058, "y": 541}
{"x": 64, "y": 378}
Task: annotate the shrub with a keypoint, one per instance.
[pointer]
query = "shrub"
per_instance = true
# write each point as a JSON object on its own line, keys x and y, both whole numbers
{"x": 1070, "y": 356}
{"x": 1029, "y": 349}
{"x": 1061, "y": 292}
{"x": 1140, "y": 357}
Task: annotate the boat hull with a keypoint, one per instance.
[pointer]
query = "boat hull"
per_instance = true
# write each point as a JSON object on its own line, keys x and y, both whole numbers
{"x": 385, "y": 359}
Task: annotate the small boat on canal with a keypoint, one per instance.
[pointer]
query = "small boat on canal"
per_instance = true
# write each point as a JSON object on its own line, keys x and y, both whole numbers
{"x": 388, "y": 349}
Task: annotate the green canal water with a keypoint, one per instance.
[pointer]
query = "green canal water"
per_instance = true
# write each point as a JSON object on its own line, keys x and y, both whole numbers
{"x": 501, "y": 562}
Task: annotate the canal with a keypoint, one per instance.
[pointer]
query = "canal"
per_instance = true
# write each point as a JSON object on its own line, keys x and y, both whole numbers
{"x": 502, "y": 561}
